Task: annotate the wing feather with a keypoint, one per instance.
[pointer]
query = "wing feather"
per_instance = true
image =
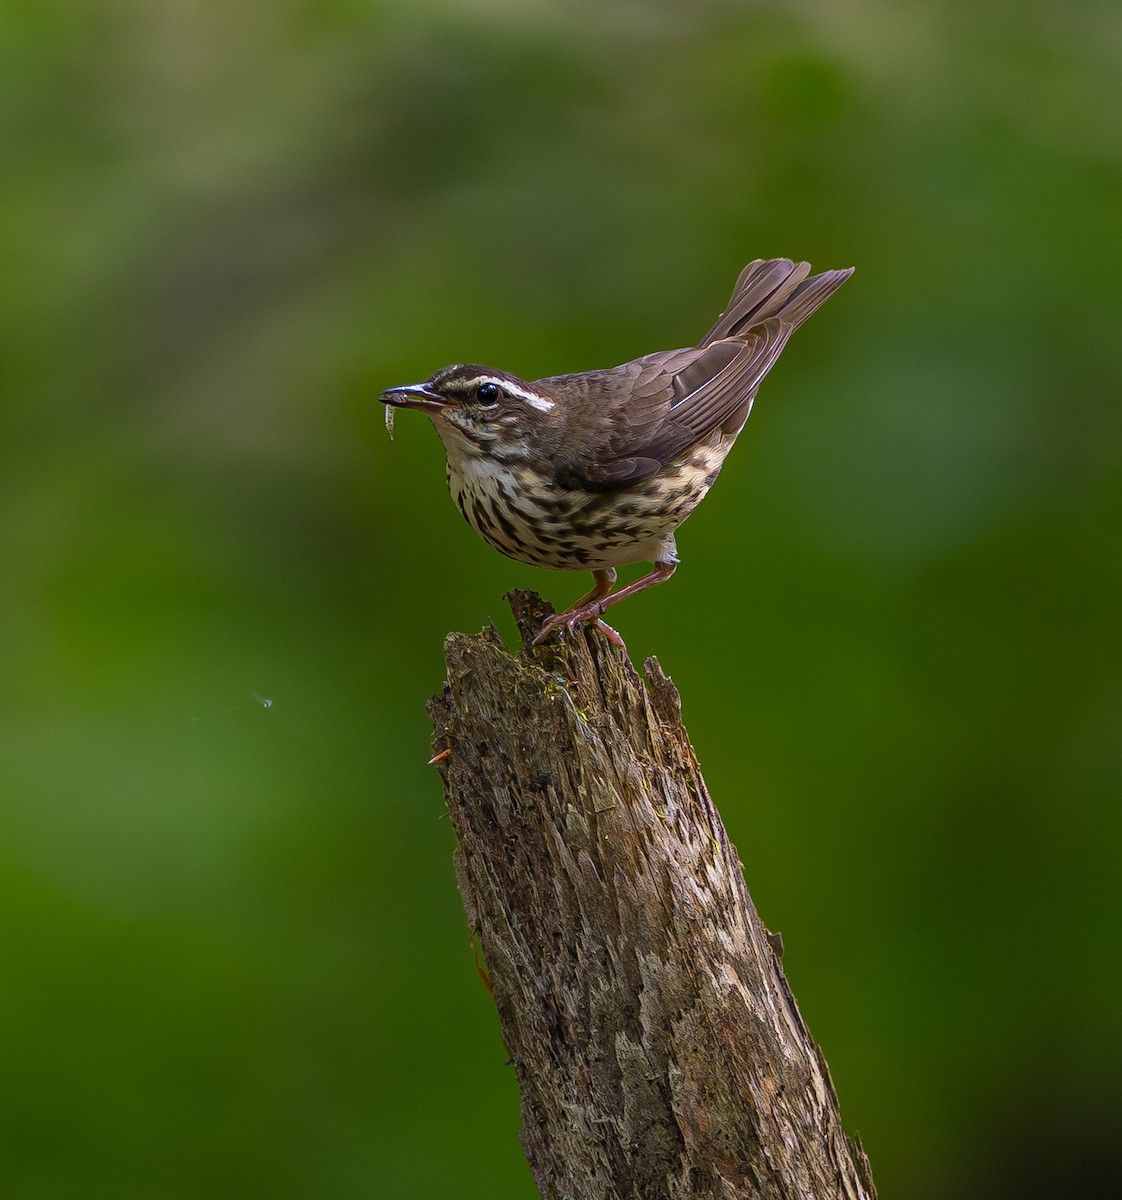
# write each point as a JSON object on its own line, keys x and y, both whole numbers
{"x": 657, "y": 407}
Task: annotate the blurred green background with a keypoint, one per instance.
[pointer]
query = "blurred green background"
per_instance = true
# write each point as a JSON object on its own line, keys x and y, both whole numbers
{"x": 233, "y": 957}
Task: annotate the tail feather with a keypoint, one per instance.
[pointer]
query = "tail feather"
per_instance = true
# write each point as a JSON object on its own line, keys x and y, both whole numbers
{"x": 775, "y": 287}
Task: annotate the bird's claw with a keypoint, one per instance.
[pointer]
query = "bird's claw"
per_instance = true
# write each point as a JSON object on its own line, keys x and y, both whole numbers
{"x": 570, "y": 620}
{"x": 611, "y": 634}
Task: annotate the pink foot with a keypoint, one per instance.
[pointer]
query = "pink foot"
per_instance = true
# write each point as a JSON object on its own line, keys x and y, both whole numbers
{"x": 571, "y": 619}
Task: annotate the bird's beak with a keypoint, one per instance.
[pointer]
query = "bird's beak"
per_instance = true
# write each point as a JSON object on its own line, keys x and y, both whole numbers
{"x": 414, "y": 395}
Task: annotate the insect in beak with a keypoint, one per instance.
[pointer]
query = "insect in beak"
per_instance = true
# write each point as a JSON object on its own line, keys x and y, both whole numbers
{"x": 415, "y": 395}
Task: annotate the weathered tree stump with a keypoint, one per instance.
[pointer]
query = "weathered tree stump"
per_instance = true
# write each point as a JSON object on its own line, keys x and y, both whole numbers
{"x": 658, "y": 1047}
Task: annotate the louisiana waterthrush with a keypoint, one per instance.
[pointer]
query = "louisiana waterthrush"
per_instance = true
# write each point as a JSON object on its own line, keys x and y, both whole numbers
{"x": 589, "y": 472}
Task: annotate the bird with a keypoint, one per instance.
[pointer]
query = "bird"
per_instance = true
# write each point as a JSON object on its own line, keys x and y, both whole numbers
{"x": 596, "y": 470}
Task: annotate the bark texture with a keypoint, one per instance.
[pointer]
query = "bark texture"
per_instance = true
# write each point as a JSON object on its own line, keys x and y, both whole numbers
{"x": 658, "y": 1047}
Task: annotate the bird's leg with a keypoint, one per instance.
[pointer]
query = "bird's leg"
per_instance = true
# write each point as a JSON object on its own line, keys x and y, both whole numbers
{"x": 592, "y": 606}
{"x": 604, "y": 582}
{"x": 659, "y": 573}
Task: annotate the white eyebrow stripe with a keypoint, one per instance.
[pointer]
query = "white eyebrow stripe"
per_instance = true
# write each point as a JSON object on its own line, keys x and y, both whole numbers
{"x": 534, "y": 401}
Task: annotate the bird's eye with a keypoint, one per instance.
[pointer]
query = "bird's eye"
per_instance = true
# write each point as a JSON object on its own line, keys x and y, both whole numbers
{"x": 487, "y": 393}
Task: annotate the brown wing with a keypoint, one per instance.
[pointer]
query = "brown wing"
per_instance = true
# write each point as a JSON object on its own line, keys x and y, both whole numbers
{"x": 657, "y": 407}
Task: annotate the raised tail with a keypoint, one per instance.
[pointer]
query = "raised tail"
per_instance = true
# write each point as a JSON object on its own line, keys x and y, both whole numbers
{"x": 774, "y": 287}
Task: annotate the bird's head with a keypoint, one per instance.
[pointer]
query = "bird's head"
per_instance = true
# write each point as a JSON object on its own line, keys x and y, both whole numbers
{"x": 478, "y": 410}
